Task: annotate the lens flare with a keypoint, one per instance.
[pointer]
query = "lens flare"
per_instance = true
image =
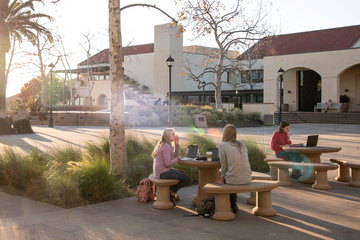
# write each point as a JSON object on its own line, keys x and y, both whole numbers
{"x": 214, "y": 132}
{"x": 198, "y": 130}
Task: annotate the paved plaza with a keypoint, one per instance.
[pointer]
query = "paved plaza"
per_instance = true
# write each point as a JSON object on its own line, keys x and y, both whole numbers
{"x": 303, "y": 212}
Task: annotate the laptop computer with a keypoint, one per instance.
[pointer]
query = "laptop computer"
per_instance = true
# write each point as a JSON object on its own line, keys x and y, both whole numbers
{"x": 312, "y": 141}
{"x": 192, "y": 151}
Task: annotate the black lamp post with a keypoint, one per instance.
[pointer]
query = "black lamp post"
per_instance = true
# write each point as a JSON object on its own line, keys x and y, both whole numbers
{"x": 51, "y": 121}
{"x": 169, "y": 61}
{"x": 203, "y": 87}
{"x": 236, "y": 97}
{"x": 281, "y": 74}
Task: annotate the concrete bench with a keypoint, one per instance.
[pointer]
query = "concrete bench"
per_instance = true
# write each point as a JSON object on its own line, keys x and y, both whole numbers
{"x": 273, "y": 169}
{"x": 321, "y": 181}
{"x": 343, "y": 171}
{"x": 163, "y": 192}
{"x": 222, "y": 198}
{"x": 256, "y": 176}
{"x": 355, "y": 174}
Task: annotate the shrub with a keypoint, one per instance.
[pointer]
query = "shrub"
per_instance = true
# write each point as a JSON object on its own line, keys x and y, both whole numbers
{"x": 254, "y": 116}
{"x": 17, "y": 106}
{"x": 17, "y": 171}
{"x": 239, "y": 115}
{"x": 229, "y": 116}
{"x": 63, "y": 189}
{"x": 140, "y": 161}
{"x": 96, "y": 183}
{"x": 207, "y": 108}
{"x": 212, "y": 119}
{"x": 256, "y": 155}
{"x": 183, "y": 121}
{"x": 203, "y": 143}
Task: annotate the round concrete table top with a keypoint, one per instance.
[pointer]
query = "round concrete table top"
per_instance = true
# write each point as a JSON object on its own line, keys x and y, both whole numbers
{"x": 318, "y": 149}
{"x": 199, "y": 164}
{"x": 352, "y": 165}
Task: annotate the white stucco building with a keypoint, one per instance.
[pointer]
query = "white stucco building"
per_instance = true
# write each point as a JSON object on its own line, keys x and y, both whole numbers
{"x": 146, "y": 64}
{"x": 319, "y": 66}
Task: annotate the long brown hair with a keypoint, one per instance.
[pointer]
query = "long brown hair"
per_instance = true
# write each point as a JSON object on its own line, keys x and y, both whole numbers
{"x": 229, "y": 135}
{"x": 165, "y": 138}
{"x": 283, "y": 125}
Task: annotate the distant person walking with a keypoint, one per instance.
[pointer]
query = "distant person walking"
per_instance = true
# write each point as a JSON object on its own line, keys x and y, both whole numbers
{"x": 166, "y": 99}
{"x": 157, "y": 102}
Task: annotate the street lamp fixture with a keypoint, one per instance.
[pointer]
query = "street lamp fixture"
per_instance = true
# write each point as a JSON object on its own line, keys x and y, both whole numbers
{"x": 281, "y": 75}
{"x": 170, "y": 62}
{"x": 51, "y": 120}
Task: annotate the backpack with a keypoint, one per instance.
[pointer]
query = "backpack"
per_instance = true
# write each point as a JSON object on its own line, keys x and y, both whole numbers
{"x": 206, "y": 208}
{"x": 145, "y": 191}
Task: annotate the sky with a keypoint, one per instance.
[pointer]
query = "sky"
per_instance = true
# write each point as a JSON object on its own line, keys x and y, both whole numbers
{"x": 73, "y": 18}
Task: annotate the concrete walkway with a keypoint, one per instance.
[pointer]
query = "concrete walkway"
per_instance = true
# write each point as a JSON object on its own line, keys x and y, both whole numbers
{"x": 303, "y": 213}
{"x": 333, "y": 135}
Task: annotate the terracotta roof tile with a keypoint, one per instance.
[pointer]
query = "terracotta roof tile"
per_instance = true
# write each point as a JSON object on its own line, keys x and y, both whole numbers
{"x": 103, "y": 56}
{"x": 305, "y": 42}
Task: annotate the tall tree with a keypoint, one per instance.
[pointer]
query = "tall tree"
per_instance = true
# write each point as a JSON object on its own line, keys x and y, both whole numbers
{"x": 229, "y": 26}
{"x": 117, "y": 130}
{"x": 17, "y": 20}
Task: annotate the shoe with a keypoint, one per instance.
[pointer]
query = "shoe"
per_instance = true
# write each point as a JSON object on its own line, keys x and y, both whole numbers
{"x": 295, "y": 173}
{"x": 173, "y": 198}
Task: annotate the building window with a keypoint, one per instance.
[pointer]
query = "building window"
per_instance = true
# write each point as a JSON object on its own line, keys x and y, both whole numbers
{"x": 252, "y": 76}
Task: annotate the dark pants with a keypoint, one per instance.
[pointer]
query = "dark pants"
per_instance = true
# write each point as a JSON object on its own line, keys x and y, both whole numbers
{"x": 176, "y": 174}
{"x": 233, "y": 200}
{"x": 292, "y": 157}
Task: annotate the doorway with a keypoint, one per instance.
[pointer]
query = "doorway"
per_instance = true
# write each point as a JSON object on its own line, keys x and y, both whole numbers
{"x": 309, "y": 85}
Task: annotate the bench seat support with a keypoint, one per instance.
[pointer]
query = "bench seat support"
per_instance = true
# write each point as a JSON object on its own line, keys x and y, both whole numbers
{"x": 264, "y": 204}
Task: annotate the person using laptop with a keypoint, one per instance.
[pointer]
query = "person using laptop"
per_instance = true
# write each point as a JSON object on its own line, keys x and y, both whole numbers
{"x": 280, "y": 139}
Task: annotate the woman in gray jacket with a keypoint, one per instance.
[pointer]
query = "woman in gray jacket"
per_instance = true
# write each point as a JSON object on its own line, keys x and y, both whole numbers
{"x": 235, "y": 166}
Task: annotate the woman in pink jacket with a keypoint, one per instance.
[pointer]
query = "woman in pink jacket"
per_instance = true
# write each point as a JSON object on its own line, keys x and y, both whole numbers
{"x": 165, "y": 158}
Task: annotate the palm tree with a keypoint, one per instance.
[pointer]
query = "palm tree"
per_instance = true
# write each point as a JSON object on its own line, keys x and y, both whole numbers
{"x": 17, "y": 21}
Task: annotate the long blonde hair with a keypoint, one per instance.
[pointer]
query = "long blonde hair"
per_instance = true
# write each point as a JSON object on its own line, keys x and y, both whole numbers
{"x": 165, "y": 138}
{"x": 229, "y": 135}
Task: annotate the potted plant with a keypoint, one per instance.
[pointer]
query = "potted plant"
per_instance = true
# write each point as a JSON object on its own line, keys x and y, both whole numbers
{"x": 345, "y": 103}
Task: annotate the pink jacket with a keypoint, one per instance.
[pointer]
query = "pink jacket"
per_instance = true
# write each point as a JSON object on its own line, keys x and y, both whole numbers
{"x": 163, "y": 160}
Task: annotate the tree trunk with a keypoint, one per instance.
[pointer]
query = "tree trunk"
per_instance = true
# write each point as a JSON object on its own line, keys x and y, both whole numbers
{"x": 2, "y": 85}
{"x": 117, "y": 130}
{"x": 219, "y": 67}
{"x": 4, "y": 48}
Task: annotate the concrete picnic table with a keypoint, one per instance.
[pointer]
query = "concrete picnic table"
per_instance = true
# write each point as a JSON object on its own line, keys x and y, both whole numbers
{"x": 313, "y": 155}
{"x": 208, "y": 173}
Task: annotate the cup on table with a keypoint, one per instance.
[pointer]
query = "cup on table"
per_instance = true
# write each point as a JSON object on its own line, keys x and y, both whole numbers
{"x": 209, "y": 156}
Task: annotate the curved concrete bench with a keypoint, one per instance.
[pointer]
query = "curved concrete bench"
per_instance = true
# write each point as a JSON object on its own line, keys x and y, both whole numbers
{"x": 321, "y": 181}
{"x": 256, "y": 176}
{"x": 355, "y": 174}
{"x": 222, "y": 198}
{"x": 343, "y": 171}
{"x": 163, "y": 192}
{"x": 273, "y": 169}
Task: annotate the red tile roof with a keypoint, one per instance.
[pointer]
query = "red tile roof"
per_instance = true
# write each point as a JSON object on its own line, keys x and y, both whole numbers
{"x": 305, "y": 42}
{"x": 103, "y": 56}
